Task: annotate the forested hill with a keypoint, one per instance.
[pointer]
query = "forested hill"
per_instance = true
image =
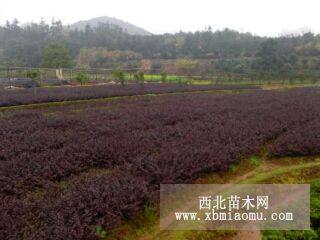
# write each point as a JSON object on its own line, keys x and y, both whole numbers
{"x": 106, "y": 43}
{"x": 125, "y": 26}
{"x": 25, "y": 46}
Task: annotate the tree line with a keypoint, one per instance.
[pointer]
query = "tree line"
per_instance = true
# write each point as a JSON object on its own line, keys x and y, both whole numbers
{"x": 54, "y": 45}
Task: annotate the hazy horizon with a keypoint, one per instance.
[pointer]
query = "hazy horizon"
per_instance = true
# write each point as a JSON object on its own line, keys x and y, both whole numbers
{"x": 263, "y": 18}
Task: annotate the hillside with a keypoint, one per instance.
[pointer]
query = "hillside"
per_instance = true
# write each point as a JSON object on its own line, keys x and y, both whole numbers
{"x": 128, "y": 27}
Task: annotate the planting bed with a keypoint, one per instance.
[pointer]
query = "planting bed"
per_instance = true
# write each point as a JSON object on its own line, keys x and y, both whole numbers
{"x": 66, "y": 170}
{"x": 59, "y": 94}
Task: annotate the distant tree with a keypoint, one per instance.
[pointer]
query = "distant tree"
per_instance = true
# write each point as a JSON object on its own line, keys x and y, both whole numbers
{"x": 268, "y": 59}
{"x": 164, "y": 77}
{"x": 5, "y": 61}
{"x": 56, "y": 56}
{"x": 2, "y": 58}
{"x": 33, "y": 74}
{"x": 119, "y": 75}
{"x": 139, "y": 77}
{"x": 82, "y": 78}
{"x": 239, "y": 68}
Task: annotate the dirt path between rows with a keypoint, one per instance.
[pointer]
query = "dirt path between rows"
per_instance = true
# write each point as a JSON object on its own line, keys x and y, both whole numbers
{"x": 247, "y": 235}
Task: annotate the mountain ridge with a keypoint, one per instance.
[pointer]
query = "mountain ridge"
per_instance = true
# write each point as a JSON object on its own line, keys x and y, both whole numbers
{"x": 126, "y": 26}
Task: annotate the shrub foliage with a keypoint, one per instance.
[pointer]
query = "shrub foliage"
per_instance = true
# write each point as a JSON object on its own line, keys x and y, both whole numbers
{"x": 64, "y": 174}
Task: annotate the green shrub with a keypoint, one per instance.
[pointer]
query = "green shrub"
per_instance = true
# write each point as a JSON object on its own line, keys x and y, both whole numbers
{"x": 233, "y": 168}
{"x": 119, "y": 75}
{"x": 315, "y": 205}
{"x": 290, "y": 235}
{"x": 82, "y": 78}
{"x": 149, "y": 213}
{"x": 164, "y": 77}
{"x": 139, "y": 77}
{"x": 33, "y": 74}
{"x": 255, "y": 161}
{"x": 102, "y": 234}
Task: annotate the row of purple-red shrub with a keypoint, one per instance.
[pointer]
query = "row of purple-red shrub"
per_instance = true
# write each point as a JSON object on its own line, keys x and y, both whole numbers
{"x": 59, "y": 94}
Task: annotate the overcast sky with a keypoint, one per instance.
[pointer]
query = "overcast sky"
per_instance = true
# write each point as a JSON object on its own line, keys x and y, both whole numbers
{"x": 262, "y": 17}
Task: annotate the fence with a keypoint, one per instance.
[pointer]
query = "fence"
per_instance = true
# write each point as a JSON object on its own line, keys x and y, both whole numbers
{"x": 48, "y": 76}
{"x": 94, "y": 75}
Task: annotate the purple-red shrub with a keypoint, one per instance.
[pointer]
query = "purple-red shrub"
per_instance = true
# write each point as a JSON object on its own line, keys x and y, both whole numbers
{"x": 301, "y": 141}
{"x": 102, "y": 200}
{"x": 142, "y": 143}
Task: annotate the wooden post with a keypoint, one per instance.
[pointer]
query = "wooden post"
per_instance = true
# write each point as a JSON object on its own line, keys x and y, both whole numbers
{"x": 9, "y": 77}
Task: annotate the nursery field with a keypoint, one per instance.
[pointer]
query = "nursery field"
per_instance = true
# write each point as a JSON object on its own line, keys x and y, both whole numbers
{"x": 60, "y": 94}
{"x": 80, "y": 171}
